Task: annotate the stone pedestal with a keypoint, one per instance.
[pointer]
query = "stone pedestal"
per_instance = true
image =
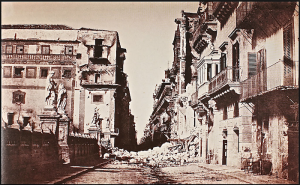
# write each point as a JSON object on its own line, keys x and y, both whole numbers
{"x": 96, "y": 132}
{"x": 49, "y": 122}
{"x": 63, "y": 133}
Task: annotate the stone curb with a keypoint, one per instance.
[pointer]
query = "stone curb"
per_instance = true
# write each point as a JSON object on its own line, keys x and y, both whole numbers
{"x": 76, "y": 174}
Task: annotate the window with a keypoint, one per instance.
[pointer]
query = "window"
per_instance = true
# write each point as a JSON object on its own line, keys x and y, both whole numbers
{"x": 217, "y": 69}
{"x": 223, "y": 62}
{"x": 69, "y": 50}
{"x": 45, "y": 50}
{"x": 97, "y": 98}
{"x": 18, "y": 72}
{"x": 251, "y": 64}
{"x": 78, "y": 56}
{"x": 9, "y": 49}
{"x": 20, "y": 49}
{"x": 225, "y": 115}
{"x": 44, "y": 72}
{"x": 98, "y": 48}
{"x": 57, "y": 72}
{"x": 209, "y": 71}
{"x": 236, "y": 111}
{"x": 30, "y": 72}
{"x": 7, "y": 71}
{"x": 84, "y": 75}
{"x": 97, "y": 78}
{"x": 67, "y": 73}
{"x": 18, "y": 97}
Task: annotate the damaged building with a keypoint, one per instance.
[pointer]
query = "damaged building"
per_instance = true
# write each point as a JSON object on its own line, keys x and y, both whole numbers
{"x": 88, "y": 62}
{"x": 233, "y": 87}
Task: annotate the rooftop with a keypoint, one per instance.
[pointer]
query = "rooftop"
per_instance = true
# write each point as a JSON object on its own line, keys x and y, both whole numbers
{"x": 37, "y": 26}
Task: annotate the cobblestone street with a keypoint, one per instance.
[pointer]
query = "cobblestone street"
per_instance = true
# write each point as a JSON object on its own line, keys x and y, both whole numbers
{"x": 193, "y": 173}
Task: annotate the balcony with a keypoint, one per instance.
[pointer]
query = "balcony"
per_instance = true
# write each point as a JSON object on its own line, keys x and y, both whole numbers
{"x": 203, "y": 91}
{"x": 39, "y": 57}
{"x": 222, "y": 10}
{"x": 274, "y": 77}
{"x": 252, "y": 15}
{"x": 163, "y": 98}
{"x": 229, "y": 76}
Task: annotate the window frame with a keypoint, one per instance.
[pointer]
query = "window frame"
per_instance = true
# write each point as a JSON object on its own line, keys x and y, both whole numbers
{"x": 97, "y": 102}
{"x": 67, "y": 53}
{"x": 43, "y": 68}
{"x": 18, "y": 93}
{"x": 66, "y": 69}
{"x": 56, "y": 75}
{"x": 42, "y": 49}
{"x": 31, "y": 67}
{"x": 98, "y": 50}
{"x": 10, "y": 71}
{"x": 17, "y": 76}
{"x": 11, "y": 49}
{"x": 18, "y": 46}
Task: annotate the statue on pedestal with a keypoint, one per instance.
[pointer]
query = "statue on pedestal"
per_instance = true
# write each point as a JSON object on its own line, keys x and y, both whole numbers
{"x": 96, "y": 118}
{"x": 62, "y": 99}
{"x": 50, "y": 90}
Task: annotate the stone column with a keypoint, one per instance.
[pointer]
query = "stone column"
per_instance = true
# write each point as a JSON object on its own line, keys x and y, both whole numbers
{"x": 63, "y": 133}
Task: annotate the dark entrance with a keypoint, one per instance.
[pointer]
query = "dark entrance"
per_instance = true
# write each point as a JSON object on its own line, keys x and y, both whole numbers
{"x": 224, "y": 156}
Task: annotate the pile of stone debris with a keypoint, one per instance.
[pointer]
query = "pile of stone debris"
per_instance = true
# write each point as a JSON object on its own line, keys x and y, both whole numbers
{"x": 169, "y": 154}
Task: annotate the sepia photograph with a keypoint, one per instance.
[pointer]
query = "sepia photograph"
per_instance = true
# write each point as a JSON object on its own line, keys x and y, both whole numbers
{"x": 162, "y": 92}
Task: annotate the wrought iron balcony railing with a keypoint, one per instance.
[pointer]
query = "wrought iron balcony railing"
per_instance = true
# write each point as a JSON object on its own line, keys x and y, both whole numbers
{"x": 274, "y": 77}
{"x": 227, "y": 76}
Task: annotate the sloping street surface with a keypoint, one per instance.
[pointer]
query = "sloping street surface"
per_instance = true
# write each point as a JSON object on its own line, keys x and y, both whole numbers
{"x": 123, "y": 172}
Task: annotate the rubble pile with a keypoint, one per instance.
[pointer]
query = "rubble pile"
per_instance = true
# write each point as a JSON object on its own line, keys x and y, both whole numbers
{"x": 169, "y": 154}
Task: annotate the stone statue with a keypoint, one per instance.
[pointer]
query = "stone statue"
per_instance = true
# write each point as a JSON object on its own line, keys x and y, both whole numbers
{"x": 62, "y": 99}
{"x": 96, "y": 118}
{"x": 50, "y": 90}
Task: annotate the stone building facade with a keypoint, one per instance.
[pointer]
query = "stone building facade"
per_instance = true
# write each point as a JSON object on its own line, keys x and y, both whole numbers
{"x": 234, "y": 85}
{"x": 88, "y": 62}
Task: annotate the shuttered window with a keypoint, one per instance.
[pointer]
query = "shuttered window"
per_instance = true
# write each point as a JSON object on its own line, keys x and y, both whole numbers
{"x": 261, "y": 70}
{"x": 251, "y": 64}
{"x": 287, "y": 47}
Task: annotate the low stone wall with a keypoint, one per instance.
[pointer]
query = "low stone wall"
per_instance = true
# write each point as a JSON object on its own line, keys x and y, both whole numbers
{"x": 82, "y": 148}
{"x": 24, "y": 152}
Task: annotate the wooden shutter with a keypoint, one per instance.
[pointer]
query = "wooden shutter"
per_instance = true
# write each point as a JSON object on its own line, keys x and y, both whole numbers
{"x": 261, "y": 70}
{"x": 287, "y": 47}
{"x": 251, "y": 64}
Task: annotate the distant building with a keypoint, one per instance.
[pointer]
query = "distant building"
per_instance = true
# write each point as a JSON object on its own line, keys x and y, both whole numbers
{"x": 88, "y": 62}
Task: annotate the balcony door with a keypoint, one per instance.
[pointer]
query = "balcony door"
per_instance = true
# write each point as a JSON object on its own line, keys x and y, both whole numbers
{"x": 235, "y": 62}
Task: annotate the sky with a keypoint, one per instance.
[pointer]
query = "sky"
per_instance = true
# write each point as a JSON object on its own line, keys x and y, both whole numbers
{"x": 146, "y": 30}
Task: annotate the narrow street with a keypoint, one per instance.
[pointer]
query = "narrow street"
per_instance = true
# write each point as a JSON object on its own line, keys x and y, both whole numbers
{"x": 123, "y": 172}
